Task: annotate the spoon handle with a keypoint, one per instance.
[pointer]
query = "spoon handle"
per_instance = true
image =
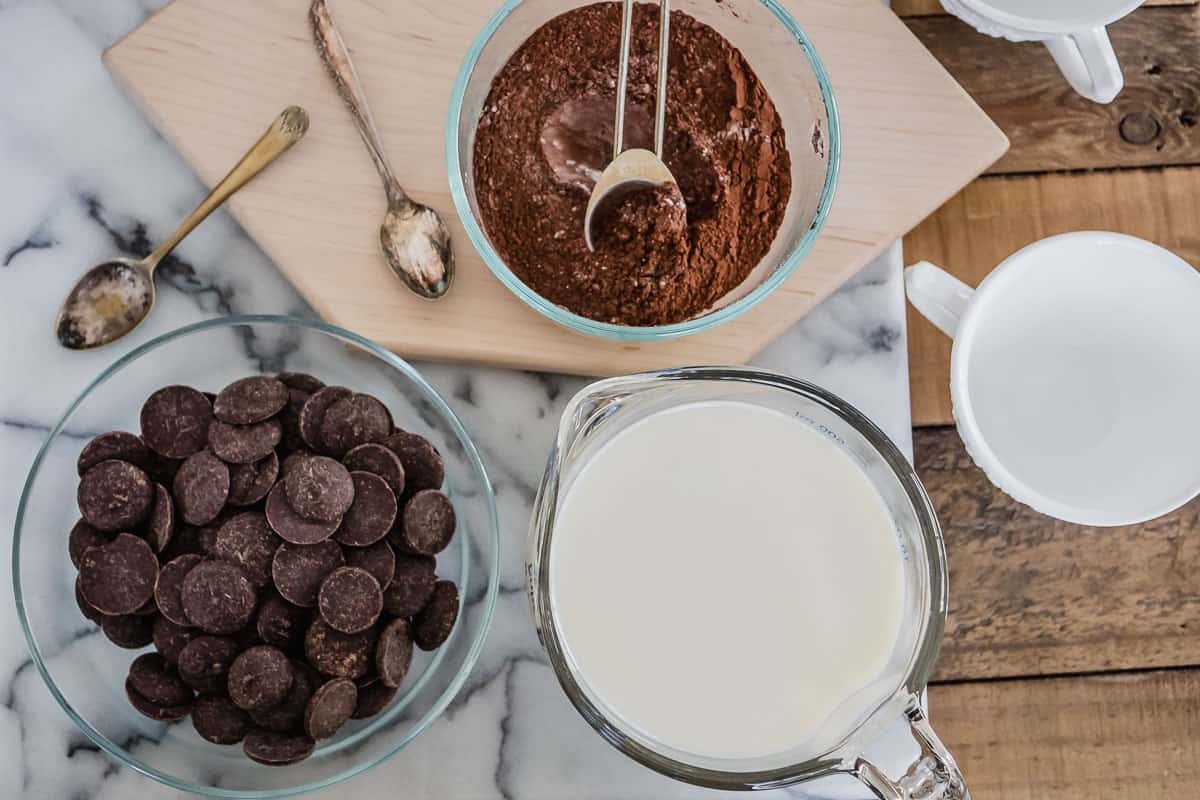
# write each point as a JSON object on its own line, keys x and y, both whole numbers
{"x": 336, "y": 57}
{"x": 664, "y": 47}
{"x": 622, "y": 78}
{"x": 287, "y": 129}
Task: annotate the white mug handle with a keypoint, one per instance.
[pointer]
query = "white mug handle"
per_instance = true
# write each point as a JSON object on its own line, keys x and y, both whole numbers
{"x": 939, "y": 296}
{"x": 1087, "y": 60}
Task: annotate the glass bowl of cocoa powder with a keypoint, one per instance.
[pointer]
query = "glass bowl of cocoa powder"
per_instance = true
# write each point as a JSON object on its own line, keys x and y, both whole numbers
{"x": 751, "y": 136}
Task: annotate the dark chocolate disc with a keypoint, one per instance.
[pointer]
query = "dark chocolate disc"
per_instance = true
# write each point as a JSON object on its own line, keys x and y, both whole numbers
{"x": 160, "y": 525}
{"x": 423, "y": 466}
{"x": 377, "y": 459}
{"x": 118, "y": 577}
{"x": 201, "y": 488}
{"x": 118, "y": 445}
{"x": 244, "y": 444}
{"x": 319, "y": 488}
{"x": 393, "y": 653}
{"x": 372, "y": 513}
{"x": 428, "y": 523}
{"x": 156, "y": 712}
{"x": 411, "y": 586}
{"x": 279, "y": 622}
{"x": 170, "y": 581}
{"x": 130, "y": 631}
{"x": 250, "y": 400}
{"x": 288, "y": 716}
{"x": 299, "y": 570}
{"x": 378, "y": 559}
{"x": 277, "y": 749}
{"x": 175, "y": 421}
{"x": 330, "y": 707}
{"x": 339, "y": 655}
{"x": 249, "y": 483}
{"x": 292, "y": 461}
{"x": 153, "y": 677}
{"x": 247, "y": 541}
{"x": 292, "y": 527}
{"x": 260, "y": 678}
{"x": 313, "y": 412}
{"x": 372, "y": 699}
{"x": 114, "y": 496}
{"x": 85, "y": 607}
{"x": 82, "y": 537}
{"x": 300, "y": 380}
{"x": 433, "y": 623}
{"x": 354, "y": 420}
{"x": 350, "y": 600}
{"x": 218, "y": 720}
{"x": 217, "y": 597}
{"x": 170, "y": 639}
{"x": 204, "y": 662}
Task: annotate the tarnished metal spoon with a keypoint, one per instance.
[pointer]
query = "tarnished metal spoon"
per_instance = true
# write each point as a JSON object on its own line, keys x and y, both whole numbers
{"x": 113, "y": 297}
{"x": 415, "y": 241}
{"x": 635, "y": 168}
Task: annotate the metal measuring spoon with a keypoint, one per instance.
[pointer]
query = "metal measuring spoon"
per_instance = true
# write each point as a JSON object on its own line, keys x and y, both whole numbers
{"x": 415, "y": 241}
{"x": 634, "y": 168}
{"x": 113, "y": 297}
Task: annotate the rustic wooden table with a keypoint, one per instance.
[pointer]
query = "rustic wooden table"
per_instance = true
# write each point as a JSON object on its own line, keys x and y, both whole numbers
{"x": 1071, "y": 665}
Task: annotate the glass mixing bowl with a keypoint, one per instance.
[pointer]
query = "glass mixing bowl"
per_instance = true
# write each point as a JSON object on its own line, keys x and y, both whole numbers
{"x": 86, "y": 673}
{"x": 788, "y": 66}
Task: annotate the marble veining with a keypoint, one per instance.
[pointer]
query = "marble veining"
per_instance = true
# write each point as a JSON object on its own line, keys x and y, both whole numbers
{"x": 83, "y": 175}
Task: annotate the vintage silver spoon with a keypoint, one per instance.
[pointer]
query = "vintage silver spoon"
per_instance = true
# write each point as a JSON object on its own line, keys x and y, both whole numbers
{"x": 113, "y": 297}
{"x": 415, "y": 241}
{"x": 634, "y": 168}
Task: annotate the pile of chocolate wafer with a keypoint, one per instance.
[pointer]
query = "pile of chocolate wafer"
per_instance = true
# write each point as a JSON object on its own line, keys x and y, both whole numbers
{"x": 287, "y": 573}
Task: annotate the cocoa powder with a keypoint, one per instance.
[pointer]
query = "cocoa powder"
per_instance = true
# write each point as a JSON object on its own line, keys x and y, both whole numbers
{"x": 545, "y": 134}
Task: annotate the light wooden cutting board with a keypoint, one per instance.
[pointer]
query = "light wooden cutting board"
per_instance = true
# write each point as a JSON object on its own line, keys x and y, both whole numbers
{"x": 213, "y": 73}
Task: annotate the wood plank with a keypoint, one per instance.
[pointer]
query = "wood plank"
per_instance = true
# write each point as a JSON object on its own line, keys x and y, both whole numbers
{"x": 918, "y": 8}
{"x": 1030, "y": 595}
{"x": 1118, "y": 737}
{"x": 996, "y": 216}
{"x": 1152, "y": 122}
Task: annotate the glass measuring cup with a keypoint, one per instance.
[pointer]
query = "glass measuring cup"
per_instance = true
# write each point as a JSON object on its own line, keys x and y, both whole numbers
{"x": 604, "y": 409}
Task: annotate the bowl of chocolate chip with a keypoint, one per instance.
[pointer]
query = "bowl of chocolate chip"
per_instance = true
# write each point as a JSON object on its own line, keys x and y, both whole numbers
{"x": 256, "y": 557}
{"x": 750, "y": 135}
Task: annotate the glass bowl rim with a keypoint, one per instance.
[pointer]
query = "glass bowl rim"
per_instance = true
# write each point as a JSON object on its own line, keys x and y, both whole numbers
{"x": 492, "y": 566}
{"x": 607, "y": 330}
{"x": 928, "y": 643}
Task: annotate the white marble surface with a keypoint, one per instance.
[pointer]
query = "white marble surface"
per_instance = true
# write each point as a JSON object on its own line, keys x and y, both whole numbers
{"x": 83, "y": 175}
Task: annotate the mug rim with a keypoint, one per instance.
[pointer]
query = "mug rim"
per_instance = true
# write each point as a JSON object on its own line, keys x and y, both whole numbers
{"x": 1036, "y": 25}
{"x": 962, "y": 408}
{"x": 921, "y": 661}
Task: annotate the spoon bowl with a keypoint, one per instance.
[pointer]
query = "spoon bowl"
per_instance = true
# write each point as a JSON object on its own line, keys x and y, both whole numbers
{"x": 416, "y": 246}
{"x": 110, "y": 300}
{"x": 115, "y": 296}
{"x": 632, "y": 170}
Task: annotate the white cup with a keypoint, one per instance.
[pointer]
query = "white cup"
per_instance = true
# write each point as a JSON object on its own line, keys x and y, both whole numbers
{"x": 1072, "y": 30}
{"x": 1075, "y": 374}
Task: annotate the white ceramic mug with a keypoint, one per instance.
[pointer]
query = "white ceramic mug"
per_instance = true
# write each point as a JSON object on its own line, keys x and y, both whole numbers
{"x": 1073, "y": 31}
{"x": 1075, "y": 374}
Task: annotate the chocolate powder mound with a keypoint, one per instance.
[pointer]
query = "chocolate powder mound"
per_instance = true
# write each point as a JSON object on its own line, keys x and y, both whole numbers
{"x": 545, "y": 134}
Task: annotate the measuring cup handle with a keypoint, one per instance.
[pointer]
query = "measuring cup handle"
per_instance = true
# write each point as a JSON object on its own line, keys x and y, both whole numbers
{"x": 932, "y": 776}
{"x": 939, "y": 296}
